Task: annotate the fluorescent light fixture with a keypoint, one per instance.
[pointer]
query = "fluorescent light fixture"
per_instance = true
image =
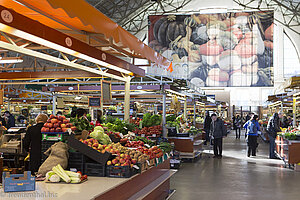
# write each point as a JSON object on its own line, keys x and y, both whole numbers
{"x": 41, "y": 102}
{"x": 78, "y": 97}
{"x": 10, "y": 60}
{"x": 63, "y": 49}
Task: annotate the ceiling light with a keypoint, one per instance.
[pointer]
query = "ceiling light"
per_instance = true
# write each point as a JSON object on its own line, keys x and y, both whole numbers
{"x": 78, "y": 97}
{"x": 10, "y": 60}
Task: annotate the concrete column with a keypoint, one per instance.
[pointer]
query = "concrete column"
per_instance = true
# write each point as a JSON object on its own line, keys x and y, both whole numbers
{"x": 127, "y": 99}
{"x": 185, "y": 109}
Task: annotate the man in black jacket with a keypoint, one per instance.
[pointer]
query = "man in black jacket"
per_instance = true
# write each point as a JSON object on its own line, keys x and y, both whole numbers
{"x": 10, "y": 120}
{"x": 273, "y": 128}
{"x": 207, "y": 123}
{"x": 217, "y": 132}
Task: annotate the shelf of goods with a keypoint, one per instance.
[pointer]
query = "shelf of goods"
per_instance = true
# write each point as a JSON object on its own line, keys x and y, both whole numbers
{"x": 288, "y": 150}
{"x": 189, "y": 147}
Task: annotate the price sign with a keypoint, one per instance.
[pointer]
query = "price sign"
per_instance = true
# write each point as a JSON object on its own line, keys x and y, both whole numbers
{"x": 94, "y": 101}
{"x": 153, "y": 135}
{"x": 142, "y": 135}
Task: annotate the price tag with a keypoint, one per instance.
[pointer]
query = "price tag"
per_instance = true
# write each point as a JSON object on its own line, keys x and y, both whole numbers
{"x": 142, "y": 135}
{"x": 172, "y": 165}
{"x": 157, "y": 160}
{"x": 136, "y": 167}
{"x": 163, "y": 158}
{"x": 147, "y": 145}
{"x": 153, "y": 135}
{"x": 148, "y": 163}
{"x": 121, "y": 135}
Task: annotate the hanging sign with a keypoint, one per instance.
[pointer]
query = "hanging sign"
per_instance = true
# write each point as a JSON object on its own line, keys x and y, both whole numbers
{"x": 94, "y": 101}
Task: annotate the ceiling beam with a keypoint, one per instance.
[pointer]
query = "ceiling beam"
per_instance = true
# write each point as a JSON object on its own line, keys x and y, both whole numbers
{"x": 47, "y": 75}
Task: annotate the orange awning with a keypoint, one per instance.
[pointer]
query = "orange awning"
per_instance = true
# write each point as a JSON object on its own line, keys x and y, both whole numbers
{"x": 81, "y": 16}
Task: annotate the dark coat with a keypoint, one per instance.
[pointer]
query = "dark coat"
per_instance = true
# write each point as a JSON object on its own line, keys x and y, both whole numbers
{"x": 11, "y": 122}
{"x": 33, "y": 145}
{"x": 273, "y": 125}
{"x": 207, "y": 122}
{"x": 218, "y": 129}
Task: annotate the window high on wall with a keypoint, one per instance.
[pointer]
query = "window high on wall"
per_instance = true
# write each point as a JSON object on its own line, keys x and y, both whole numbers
{"x": 291, "y": 58}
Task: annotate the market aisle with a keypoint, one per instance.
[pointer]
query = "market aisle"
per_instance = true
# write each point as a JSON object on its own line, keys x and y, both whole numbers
{"x": 236, "y": 176}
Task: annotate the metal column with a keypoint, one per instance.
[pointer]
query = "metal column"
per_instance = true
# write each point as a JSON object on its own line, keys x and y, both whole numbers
{"x": 194, "y": 122}
{"x": 185, "y": 108}
{"x": 294, "y": 111}
{"x": 164, "y": 112}
{"x": 54, "y": 104}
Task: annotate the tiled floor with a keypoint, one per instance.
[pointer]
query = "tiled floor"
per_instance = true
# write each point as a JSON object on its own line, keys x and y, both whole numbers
{"x": 235, "y": 176}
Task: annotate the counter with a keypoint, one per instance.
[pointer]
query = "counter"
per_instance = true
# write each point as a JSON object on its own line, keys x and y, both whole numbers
{"x": 151, "y": 184}
{"x": 189, "y": 147}
{"x": 288, "y": 150}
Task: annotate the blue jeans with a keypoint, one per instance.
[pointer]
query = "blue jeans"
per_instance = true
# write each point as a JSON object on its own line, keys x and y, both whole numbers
{"x": 272, "y": 147}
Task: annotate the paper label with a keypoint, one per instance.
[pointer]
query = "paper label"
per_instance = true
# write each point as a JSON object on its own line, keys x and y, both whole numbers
{"x": 121, "y": 135}
{"x": 148, "y": 163}
{"x": 136, "y": 167}
{"x": 147, "y": 145}
{"x": 157, "y": 160}
{"x": 143, "y": 135}
{"x": 153, "y": 135}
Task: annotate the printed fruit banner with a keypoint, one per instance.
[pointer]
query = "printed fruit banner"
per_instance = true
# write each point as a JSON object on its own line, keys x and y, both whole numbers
{"x": 216, "y": 50}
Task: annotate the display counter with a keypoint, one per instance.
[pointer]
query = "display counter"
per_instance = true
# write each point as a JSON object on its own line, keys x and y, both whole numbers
{"x": 153, "y": 183}
{"x": 189, "y": 147}
{"x": 288, "y": 150}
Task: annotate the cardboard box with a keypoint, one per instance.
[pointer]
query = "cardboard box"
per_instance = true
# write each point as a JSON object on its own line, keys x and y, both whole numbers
{"x": 18, "y": 182}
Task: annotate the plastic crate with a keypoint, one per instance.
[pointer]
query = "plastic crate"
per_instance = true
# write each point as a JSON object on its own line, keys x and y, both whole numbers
{"x": 76, "y": 161}
{"x": 119, "y": 171}
{"x": 94, "y": 169}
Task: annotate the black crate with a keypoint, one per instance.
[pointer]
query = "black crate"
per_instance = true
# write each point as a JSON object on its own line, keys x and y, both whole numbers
{"x": 94, "y": 169}
{"x": 77, "y": 166}
{"x": 119, "y": 171}
{"x": 88, "y": 151}
{"x": 76, "y": 160}
{"x": 45, "y": 146}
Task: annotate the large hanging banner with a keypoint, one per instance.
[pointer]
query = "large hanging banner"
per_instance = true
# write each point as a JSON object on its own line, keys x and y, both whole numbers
{"x": 216, "y": 50}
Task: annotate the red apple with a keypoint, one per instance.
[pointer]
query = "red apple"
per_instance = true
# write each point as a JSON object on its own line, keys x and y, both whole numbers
{"x": 114, "y": 161}
{"x": 69, "y": 125}
{"x": 64, "y": 130}
{"x": 122, "y": 160}
{"x": 108, "y": 162}
{"x": 52, "y": 130}
{"x": 60, "y": 118}
{"x": 53, "y": 121}
{"x": 43, "y": 129}
{"x": 50, "y": 125}
{"x": 49, "y": 121}
{"x": 55, "y": 125}
{"x": 63, "y": 126}
{"x": 46, "y": 130}
{"x": 133, "y": 161}
{"x": 65, "y": 121}
{"x": 73, "y": 128}
{"x": 59, "y": 123}
{"x": 58, "y": 129}
{"x": 52, "y": 116}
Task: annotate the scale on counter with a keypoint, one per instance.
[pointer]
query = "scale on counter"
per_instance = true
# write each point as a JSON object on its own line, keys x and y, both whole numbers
{"x": 16, "y": 130}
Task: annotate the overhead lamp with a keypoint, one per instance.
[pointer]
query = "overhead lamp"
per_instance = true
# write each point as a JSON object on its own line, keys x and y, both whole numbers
{"x": 10, "y": 60}
{"x": 213, "y": 10}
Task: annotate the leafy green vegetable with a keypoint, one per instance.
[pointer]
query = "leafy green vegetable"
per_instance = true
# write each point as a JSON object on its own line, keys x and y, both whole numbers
{"x": 82, "y": 124}
{"x": 166, "y": 147}
{"x": 170, "y": 118}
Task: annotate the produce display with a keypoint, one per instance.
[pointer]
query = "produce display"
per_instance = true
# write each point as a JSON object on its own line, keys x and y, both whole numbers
{"x": 58, "y": 174}
{"x": 134, "y": 144}
{"x": 82, "y": 124}
{"x": 153, "y": 152}
{"x": 57, "y": 124}
{"x": 290, "y": 133}
{"x": 151, "y": 120}
{"x": 100, "y": 136}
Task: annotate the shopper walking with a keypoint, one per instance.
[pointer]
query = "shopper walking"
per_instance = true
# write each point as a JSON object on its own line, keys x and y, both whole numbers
{"x": 252, "y": 127}
{"x": 238, "y": 122}
{"x": 207, "y": 123}
{"x": 10, "y": 120}
{"x": 272, "y": 129}
{"x": 33, "y": 142}
{"x": 217, "y": 132}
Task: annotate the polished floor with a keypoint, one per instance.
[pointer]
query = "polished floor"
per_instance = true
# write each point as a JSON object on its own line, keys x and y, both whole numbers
{"x": 235, "y": 176}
